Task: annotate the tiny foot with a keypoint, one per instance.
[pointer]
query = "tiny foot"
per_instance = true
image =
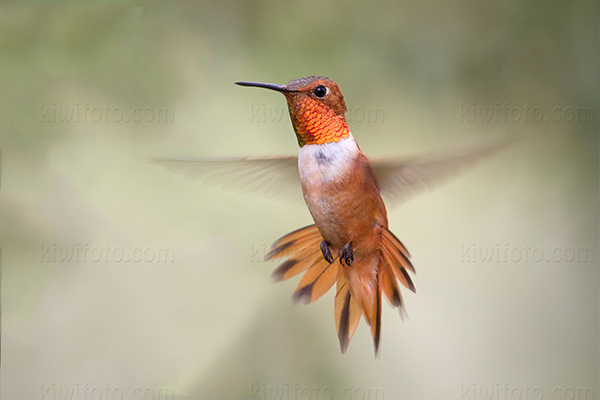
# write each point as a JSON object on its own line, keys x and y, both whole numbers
{"x": 326, "y": 252}
{"x": 347, "y": 255}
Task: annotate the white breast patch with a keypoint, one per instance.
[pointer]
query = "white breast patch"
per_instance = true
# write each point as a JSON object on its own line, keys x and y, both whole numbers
{"x": 328, "y": 161}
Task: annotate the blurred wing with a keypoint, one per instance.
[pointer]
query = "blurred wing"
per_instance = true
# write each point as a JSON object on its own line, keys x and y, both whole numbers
{"x": 276, "y": 176}
{"x": 400, "y": 179}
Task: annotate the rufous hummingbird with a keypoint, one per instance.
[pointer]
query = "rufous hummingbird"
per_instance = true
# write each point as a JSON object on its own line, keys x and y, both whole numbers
{"x": 349, "y": 243}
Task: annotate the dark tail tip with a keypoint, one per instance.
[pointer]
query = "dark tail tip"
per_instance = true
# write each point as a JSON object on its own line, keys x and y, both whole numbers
{"x": 303, "y": 294}
{"x": 344, "y": 346}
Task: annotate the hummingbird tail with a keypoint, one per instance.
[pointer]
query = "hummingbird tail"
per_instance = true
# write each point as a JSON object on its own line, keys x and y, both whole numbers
{"x": 361, "y": 286}
{"x": 364, "y": 279}
{"x": 302, "y": 250}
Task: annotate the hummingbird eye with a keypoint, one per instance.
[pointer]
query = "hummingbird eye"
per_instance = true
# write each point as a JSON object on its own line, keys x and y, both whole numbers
{"x": 320, "y": 91}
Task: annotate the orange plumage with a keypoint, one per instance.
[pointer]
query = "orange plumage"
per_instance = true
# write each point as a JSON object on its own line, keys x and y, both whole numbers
{"x": 349, "y": 244}
{"x": 316, "y": 123}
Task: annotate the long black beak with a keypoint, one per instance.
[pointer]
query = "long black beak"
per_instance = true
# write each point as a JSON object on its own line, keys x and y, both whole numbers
{"x": 278, "y": 88}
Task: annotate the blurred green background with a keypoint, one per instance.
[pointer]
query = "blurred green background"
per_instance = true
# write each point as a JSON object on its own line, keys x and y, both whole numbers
{"x": 506, "y": 254}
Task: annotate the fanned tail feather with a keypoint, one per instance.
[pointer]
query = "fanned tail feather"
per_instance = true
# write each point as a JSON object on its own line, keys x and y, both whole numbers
{"x": 389, "y": 284}
{"x": 310, "y": 231}
{"x": 397, "y": 257}
{"x": 376, "y": 315}
{"x": 294, "y": 266}
{"x": 317, "y": 280}
{"x": 360, "y": 286}
{"x": 294, "y": 242}
{"x": 347, "y": 313}
{"x": 302, "y": 248}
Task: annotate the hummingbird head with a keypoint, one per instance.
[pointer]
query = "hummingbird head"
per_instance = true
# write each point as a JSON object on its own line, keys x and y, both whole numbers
{"x": 317, "y": 108}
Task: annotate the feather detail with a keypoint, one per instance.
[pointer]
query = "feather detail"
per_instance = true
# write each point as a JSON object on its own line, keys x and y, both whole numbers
{"x": 376, "y": 315}
{"x": 363, "y": 284}
{"x": 302, "y": 248}
{"x": 397, "y": 257}
{"x": 294, "y": 243}
{"x": 310, "y": 232}
{"x": 293, "y": 267}
{"x": 389, "y": 284}
{"x": 399, "y": 271}
{"x": 347, "y": 313}
{"x": 317, "y": 280}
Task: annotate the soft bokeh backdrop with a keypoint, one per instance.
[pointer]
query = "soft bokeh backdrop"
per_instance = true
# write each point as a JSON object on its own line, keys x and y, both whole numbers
{"x": 123, "y": 280}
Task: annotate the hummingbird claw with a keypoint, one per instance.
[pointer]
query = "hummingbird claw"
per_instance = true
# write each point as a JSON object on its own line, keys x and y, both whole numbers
{"x": 347, "y": 255}
{"x": 326, "y": 252}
